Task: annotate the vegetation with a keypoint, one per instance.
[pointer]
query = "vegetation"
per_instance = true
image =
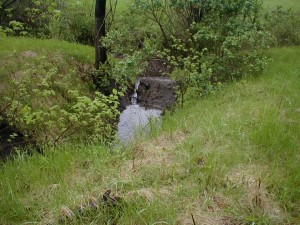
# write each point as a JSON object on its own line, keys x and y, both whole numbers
{"x": 228, "y": 155}
{"x": 48, "y": 95}
{"x": 284, "y": 25}
{"x": 231, "y": 157}
{"x": 272, "y": 4}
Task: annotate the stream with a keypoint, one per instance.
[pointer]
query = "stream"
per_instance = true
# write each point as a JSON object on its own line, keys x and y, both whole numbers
{"x": 135, "y": 118}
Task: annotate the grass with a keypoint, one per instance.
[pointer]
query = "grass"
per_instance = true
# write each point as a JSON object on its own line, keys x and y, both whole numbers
{"x": 123, "y": 4}
{"x": 232, "y": 157}
{"x": 294, "y": 4}
{"x": 21, "y": 57}
{"x": 38, "y": 75}
{"x": 229, "y": 158}
{"x": 82, "y": 53}
{"x": 89, "y": 5}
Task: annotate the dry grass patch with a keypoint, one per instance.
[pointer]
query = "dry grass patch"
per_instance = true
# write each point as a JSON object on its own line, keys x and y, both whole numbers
{"x": 195, "y": 213}
{"x": 256, "y": 195}
{"x": 149, "y": 194}
{"x": 29, "y": 54}
{"x": 159, "y": 152}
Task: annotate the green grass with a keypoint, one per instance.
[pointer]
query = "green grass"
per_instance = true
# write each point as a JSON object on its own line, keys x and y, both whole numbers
{"x": 230, "y": 157}
{"x": 20, "y": 55}
{"x": 272, "y": 4}
{"x": 124, "y": 4}
{"x": 89, "y": 5}
{"x": 82, "y": 53}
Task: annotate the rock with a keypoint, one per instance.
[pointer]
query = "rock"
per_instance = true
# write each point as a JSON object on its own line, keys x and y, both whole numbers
{"x": 156, "y": 67}
{"x": 156, "y": 92}
{"x": 126, "y": 99}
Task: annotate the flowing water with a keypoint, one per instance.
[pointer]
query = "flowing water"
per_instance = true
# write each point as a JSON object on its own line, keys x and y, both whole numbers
{"x": 135, "y": 118}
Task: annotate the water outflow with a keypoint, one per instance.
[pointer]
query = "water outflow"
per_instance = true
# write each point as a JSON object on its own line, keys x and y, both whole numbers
{"x": 135, "y": 119}
{"x": 134, "y": 96}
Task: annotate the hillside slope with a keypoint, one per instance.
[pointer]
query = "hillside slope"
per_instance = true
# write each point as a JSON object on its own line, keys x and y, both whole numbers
{"x": 48, "y": 96}
{"x": 228, "y": 158}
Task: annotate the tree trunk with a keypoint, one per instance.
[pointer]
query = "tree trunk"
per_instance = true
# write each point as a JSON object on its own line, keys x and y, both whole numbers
{"x": 101, "y": 55}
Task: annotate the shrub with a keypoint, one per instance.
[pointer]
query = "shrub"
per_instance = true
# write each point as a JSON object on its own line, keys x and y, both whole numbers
{"x": 59, "y": 19}
{"x": 131, "y": 44}
{"x": 2, "y": 33}
{"x": 217, "y": 40}
{"x": 42, "y": 98}
{"x": 75, "y": 24}
{"x": 31, "y": 17}
{"x": 284, "y": 25}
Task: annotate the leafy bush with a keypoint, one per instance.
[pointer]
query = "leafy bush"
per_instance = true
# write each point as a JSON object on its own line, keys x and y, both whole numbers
{"x": 42, "y": 98}
{"x": 2, "y": 33}
{"x": 75, "y": 24}
{"x": 131, "y": 44}
{"x": 284, "y": 25}
{"x": 29, "y": 17}
{"x": 65, "y": 20}
{"x": 212, "y": 42}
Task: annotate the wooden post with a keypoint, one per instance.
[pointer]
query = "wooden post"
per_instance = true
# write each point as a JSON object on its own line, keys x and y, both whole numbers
{"x": 100, "y": 13}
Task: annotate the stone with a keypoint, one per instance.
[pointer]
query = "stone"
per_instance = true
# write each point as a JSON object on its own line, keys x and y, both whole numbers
{"x": 156, "y": 92}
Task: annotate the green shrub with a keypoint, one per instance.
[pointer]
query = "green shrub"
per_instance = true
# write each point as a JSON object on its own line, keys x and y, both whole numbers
{"x": 42, "y": 97}
{"x": 131, "y": 42}
{"x": 29, "y": 17}
{"x": 2, "y": 33}
{"x": 65, "y": 20}
{"x": 209, "y": 42}
{"x": 284, "y": 25}
{"x": 74, "y": 24}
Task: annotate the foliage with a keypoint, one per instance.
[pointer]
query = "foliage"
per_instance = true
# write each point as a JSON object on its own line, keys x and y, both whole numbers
{"x": 213, "y": 41}
{"x": 30, "y": 17}
{"x": 67, "y": 20}
{"x": 130, "y": 44}
{"x": 75, "y": 24}
{"x": 2, "y": 33}
{"x": 232, "y": 158}
{"x": 42, "y": 98}
{"x": 284, "y": 25}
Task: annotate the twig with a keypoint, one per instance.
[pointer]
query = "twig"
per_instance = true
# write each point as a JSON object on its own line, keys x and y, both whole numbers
{"x": 60, "y": 136}
{"x": 194, "y": 222}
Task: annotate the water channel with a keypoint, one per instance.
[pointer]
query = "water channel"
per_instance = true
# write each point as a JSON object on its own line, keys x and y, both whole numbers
{"x": 135, "y": 118}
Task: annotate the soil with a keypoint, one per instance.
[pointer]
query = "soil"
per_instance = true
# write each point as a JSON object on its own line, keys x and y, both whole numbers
{"x": 7, "y": 147}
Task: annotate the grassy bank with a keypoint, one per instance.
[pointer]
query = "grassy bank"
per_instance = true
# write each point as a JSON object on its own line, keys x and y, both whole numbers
{"x": 232, "y": 157}
{"x": 47, "y": 92}
{"x": 82, "y": 53}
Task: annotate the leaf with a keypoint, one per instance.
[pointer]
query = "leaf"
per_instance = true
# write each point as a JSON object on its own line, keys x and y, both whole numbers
{"x": 114, "y": 91}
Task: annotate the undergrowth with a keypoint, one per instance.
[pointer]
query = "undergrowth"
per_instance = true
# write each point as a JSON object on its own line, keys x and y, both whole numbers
{"x": 47, "y": 93}
{"x": 231, "y": 158}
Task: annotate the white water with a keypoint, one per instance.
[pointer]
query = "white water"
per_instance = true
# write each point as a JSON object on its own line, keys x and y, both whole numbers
{"x": 134, "y": 96}
{"x": 135, "y": 119}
